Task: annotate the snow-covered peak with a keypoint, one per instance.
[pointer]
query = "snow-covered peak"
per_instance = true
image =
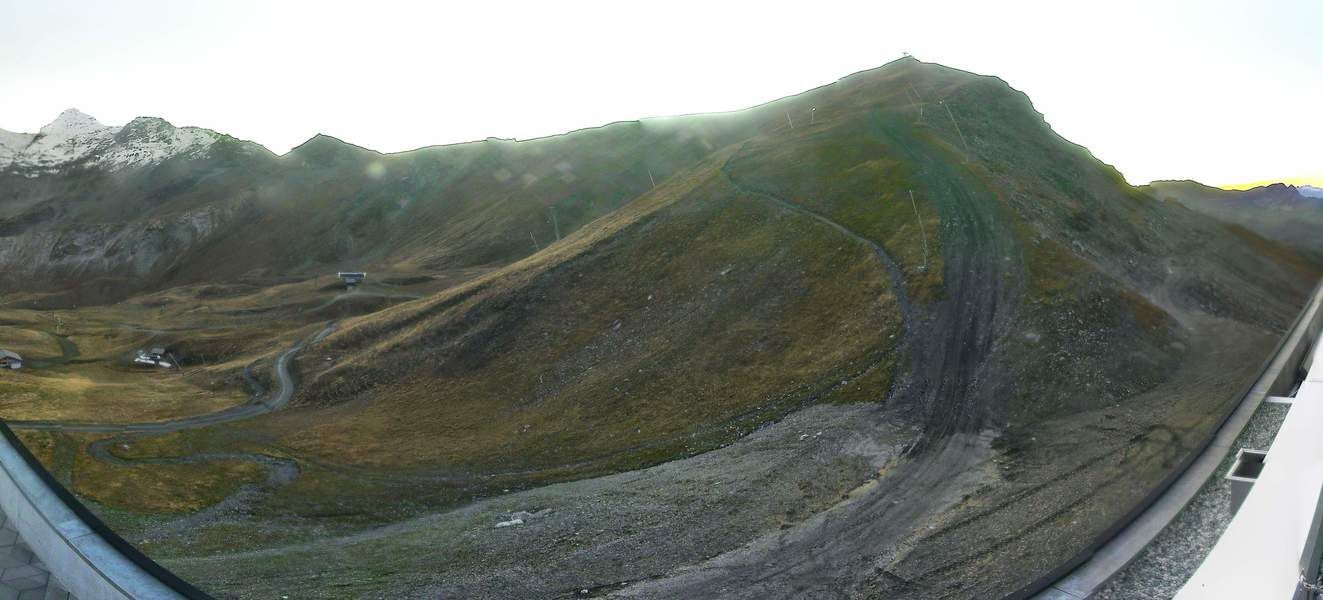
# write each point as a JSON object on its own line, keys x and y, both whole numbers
{"x": 71, "y": 136}
{"x": 71, "y": 122}
{"x": 75, "y": 136}
{"x": 147, "y": 140}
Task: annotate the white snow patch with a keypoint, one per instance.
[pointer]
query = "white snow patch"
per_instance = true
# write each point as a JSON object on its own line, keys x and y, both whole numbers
{"x": 11, "y": 144}
{"x": 74, "y": 136}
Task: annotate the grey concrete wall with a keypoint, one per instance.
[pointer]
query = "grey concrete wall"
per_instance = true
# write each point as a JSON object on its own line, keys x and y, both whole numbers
{"x": 83, "y": 562}
{"x": 1104, "y": 561}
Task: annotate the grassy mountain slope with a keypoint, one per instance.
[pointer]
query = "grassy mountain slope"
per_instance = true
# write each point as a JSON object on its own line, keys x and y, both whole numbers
{"x": 1005, "y": 344}
{"x": 240, "y": 213}
{"x": 1029, "y": 290}
{"x": 649, "y": 333}
{"x": 1278, "y": 212}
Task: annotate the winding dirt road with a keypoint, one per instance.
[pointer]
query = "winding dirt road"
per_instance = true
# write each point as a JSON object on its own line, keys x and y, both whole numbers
{"x": 280, "y": 471}
{"x": 947, "y": 383}
{"x": 260, "y": 404}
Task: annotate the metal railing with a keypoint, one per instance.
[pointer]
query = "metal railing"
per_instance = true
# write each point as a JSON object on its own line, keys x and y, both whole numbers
{"x": 1290, "y": 351}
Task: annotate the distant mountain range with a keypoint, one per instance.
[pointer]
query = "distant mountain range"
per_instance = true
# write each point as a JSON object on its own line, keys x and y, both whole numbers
{"x": 94, "y": 213}
{"x": 1311, "y": 191}
{"x": 1042, "y": 341}
{"x": 77, "y": 138}
{"x": 1290, "y": 214}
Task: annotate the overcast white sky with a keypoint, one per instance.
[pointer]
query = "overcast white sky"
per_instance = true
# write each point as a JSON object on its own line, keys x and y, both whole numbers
{"x": 1219, "y": 91}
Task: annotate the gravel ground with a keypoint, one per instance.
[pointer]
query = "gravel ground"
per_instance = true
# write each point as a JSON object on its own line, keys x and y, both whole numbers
{"x": 1167, "y": 563}
{"x": 596, "y": 534}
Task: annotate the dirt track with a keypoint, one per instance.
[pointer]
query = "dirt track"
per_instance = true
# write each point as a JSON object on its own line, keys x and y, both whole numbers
{"x": 834, "y": 551}
{"x": 257, "y": 406}
{"x": 950, "y": 386}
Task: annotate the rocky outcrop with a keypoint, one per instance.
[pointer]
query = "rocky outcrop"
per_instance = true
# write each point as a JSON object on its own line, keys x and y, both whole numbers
{"x": 136, "y": 249}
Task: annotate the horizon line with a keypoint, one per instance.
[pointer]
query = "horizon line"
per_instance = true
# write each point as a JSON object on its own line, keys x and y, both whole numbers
{"x": 1310, "y": 180}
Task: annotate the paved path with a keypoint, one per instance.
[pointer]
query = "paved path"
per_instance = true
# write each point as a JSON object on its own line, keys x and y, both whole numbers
{"x": 22, "y": 574}
{"x": 257, "y": 406}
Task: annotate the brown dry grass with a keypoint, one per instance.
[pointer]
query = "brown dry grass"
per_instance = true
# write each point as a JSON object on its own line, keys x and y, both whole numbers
{"x": 107, "y": 394}
{"x": 692, "y": 317}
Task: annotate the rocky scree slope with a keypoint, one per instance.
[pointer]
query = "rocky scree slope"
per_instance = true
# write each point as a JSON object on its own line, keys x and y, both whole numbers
{"x": 913, "y": 237}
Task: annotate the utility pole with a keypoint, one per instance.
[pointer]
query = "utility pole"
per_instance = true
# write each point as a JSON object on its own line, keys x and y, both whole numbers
{"x": 651, "y": 180}
{"x": 554, "y": 223}
{"x": 922, "y": 232}
{"x": 789, "y": 120}
{"x": 953, "y": 122}
{"x": 535, "y": 246}
{"x": 813, "y": 115}
{"x": 917, "y": 99}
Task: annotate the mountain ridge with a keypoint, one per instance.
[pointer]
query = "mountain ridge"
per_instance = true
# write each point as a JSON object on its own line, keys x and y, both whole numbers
{"x": 639, "y": 121}
{"x": 75, "y": 137}
{"x": 972, "y": 343}
{"x": 1277, "y": 211}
